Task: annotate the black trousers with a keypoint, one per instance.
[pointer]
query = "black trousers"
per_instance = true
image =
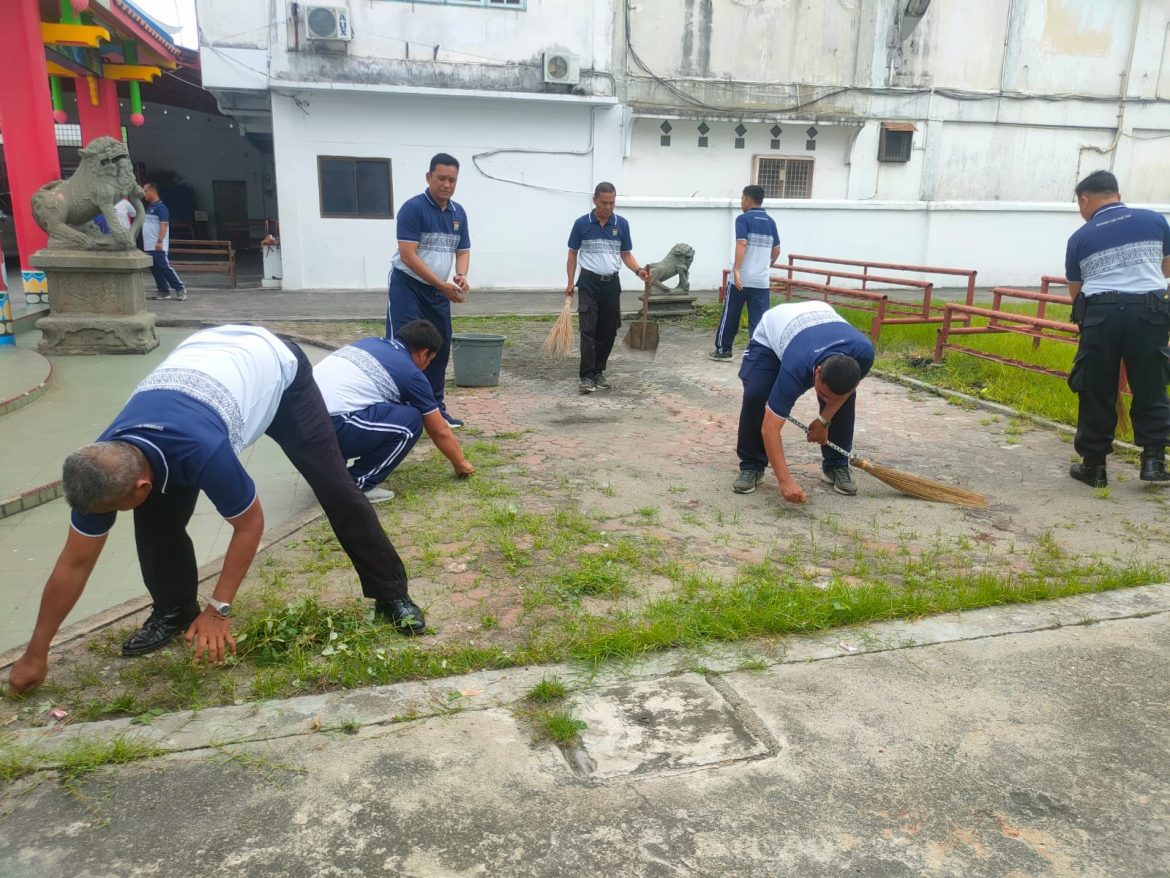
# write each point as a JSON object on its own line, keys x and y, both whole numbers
{"x": 303, "y": 430}
{"x": 1111, "y": 334}
{"x": 600, "y": 310}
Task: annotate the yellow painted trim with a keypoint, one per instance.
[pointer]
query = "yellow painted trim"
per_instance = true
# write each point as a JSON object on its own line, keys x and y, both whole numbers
{"x": 88, "y": 35}
{"x": 137, "y": 72}
{"x": 58, "y": 70}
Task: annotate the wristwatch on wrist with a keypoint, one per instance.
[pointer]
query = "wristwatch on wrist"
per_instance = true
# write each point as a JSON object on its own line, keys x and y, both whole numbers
{"x": 825, "y": 421}
{"x": 221, "y": 607}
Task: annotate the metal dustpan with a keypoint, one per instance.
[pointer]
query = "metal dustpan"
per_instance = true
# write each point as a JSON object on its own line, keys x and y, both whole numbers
{"x": 642, "y": 336}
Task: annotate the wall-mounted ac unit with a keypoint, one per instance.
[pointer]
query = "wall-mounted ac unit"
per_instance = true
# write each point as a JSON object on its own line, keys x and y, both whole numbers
{"x": 327, "y": 23}
{"x": 561, "y": 68}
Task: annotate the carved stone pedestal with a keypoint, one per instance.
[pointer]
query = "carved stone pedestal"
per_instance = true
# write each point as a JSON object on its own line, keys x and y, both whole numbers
{"x": 666, "y": 305}
{"x": 97, "y": 303}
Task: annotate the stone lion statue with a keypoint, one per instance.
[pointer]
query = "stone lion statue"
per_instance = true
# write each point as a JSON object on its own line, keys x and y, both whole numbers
{"x": 676, "y": 264}
{"x": 66, "y": 208}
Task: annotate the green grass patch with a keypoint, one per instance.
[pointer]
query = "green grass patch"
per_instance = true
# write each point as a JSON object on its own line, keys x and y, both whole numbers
{"x": 549, "y": 689}
{"x": 558, "y": 726}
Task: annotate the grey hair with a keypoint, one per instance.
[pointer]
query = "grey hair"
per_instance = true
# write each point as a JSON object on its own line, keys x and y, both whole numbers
{"x": 99, "y": 475}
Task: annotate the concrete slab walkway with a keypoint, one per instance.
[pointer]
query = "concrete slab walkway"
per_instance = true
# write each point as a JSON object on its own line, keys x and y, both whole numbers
{"x": 1023, "y": 741}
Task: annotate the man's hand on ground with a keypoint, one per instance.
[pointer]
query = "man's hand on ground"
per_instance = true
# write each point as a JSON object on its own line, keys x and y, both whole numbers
{"x": 464, "y": 469}
{"x": 791, "y": 491}
{"x": 28, "y": 673}
{"x": 211, "y": 636}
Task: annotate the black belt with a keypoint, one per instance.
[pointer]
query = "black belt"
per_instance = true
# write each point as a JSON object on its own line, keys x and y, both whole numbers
{"x": 1117, "y": 299}
{"x": 600, "y": 278}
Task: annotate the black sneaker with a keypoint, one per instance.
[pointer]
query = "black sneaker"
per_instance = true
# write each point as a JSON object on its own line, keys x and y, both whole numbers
{"x": 841, "y": 480}
{"x": 452, "y": 422}
{"x": 747, "y": 480}
{"x": 719, "y": 356}
{"x": 601, "y": 381}
{"x": 587, "y": 385}
{"x": 403, "y": 614}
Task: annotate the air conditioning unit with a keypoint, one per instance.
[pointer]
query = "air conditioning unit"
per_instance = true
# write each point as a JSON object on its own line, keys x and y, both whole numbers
{"x": 561, "y": 68}
{"x": 327, "y": 23}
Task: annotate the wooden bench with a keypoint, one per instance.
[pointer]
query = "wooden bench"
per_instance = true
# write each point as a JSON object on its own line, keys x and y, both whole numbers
{"x": 217, "y": 256}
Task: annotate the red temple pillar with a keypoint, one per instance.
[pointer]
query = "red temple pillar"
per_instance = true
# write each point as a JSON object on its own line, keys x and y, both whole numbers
{"x": 26, "y": 119}
{"x": 101, "y": 119}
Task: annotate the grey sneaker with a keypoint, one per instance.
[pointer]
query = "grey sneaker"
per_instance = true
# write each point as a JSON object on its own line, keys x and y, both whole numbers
{"x": 747, "y": 480}
{"x": 720, "y": 356}
{"x": 378, "y": 495}
{"x": 587, "y": 385}
{"x": 841, "y": 480}
{"x": 159, "y": 297}
{"x": 601, "y": 381}
{"x": 181, "y": 295}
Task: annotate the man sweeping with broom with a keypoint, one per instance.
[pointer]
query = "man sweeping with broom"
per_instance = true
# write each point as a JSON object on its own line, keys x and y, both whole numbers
{"x": 797, "y": 347}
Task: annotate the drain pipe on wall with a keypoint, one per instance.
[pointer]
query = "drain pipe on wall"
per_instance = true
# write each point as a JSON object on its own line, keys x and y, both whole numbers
{"x": 1125, "y": 75}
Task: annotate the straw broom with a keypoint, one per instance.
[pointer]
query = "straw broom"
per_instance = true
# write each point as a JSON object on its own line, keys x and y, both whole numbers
{"x": 907, "y": 483}
{"x": 560, "y": 338}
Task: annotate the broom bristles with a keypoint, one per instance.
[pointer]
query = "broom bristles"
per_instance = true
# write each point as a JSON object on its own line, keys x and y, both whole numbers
{"x": 917, "y": 486}
{"x": 560, "y": 338}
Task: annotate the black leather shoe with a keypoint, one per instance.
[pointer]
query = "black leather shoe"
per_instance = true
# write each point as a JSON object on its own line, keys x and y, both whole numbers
{"x": 1092, "y": 474}
{"x": 403, "y": 614}
{"x": 1154, "y": 470}
{"x": 160, "y": 629}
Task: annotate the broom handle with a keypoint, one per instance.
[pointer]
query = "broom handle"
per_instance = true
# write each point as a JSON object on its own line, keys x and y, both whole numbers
{"x": 837, "y": 448}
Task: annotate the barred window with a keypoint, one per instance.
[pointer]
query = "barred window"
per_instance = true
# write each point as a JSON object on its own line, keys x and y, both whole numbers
{"x": 784, "y": 177}
{"x": 358, "y": 188}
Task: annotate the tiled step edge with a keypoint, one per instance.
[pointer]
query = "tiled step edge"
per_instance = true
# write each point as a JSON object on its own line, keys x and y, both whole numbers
{"x": 30, "y": 499}
{"x": 8, "y": 406}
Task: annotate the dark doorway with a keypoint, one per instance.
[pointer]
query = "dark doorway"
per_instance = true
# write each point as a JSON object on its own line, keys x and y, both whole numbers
{"x": 231, "y": 211}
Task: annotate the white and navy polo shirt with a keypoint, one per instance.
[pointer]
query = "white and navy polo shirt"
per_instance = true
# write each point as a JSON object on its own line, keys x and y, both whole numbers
{"x": 373, "y": 371}
{"x": 439, "y": 233}
{"x": 1119, "y": 250}
{"x": 803, "y": 335}
{"x": 156, "y": 214}
{"x": 759, "y": 231}
{"x": 599, "y": 248}
{"x": 212, "y": 397}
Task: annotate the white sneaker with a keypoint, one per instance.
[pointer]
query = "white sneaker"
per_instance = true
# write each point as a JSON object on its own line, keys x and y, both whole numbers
{"x": 378, "y": 495}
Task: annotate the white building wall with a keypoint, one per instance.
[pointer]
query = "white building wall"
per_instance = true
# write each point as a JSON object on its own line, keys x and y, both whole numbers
{"x": 521, "y": 202}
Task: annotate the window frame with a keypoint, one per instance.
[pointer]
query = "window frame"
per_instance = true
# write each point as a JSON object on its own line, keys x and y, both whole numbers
{"x": 884, "y": 153}
{"x": 354, "y": 159}
{"x": 758, "y": 163}
{"x": 517, "y": 6}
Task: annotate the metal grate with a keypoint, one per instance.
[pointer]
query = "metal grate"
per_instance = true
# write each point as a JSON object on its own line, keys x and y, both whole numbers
{"x": 895, "y": 146}
{"x": 784, "y": 178}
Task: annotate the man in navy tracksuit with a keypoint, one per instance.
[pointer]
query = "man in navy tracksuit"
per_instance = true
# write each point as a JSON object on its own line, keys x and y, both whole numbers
{"x": 380, "y": 402}
{"x": 1117, "y": 264}
{"x": 432, "y": 237}
{"x": 800, "y": 346}
{"x": 757, "y": 244}
{"x": 156, "y": 240}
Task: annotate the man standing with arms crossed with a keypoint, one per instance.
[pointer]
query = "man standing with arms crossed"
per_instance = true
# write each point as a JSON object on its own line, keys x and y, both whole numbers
{"x": 600, "y": 241}
{"x": 1117, "y": 264}
{"x": 757, "y": 244}
{"x": 156, "y": 240}
{"x": 432, "y": 236}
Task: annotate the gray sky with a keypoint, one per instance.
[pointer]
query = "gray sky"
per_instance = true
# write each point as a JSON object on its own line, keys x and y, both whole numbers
{"x": 174, "y": 12}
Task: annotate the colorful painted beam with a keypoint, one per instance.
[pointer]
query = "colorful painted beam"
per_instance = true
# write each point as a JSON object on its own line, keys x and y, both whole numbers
{"x": 88, "y": 36}
{"x": 130, "y": 72}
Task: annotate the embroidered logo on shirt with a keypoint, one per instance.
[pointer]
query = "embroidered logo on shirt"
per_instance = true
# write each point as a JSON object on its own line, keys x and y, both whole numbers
{"x": 455, "y": 225}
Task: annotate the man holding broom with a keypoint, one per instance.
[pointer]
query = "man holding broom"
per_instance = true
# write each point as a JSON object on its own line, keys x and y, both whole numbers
{"x": 797, "y": 347}
{"x": 600, "y": 242}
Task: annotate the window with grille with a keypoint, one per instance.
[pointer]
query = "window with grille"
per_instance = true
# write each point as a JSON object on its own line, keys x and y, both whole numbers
{"x": 784, "y": 178}
{"x": 357, "y": 188}
{"x": 895, "y": 146}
